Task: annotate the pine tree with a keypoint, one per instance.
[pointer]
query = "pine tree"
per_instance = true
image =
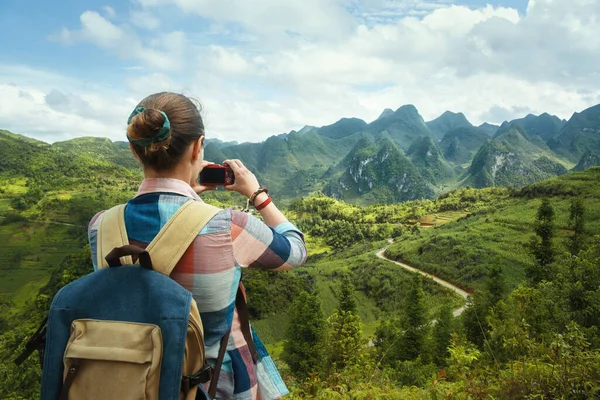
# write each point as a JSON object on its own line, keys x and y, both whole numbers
{"x": 413, "y": 341}
{"x": 442, "y": 335}
{"x": 474, "y": 320}
{"x": 345, "y": 341}
{"x": 388, "y": 337}
{"x": 495, "y": 286}
{"x": 541, "y": 245}
{"x": 347, "y": 298}
{"x": 577, "y": 221}
{"x": 303, "y": 349}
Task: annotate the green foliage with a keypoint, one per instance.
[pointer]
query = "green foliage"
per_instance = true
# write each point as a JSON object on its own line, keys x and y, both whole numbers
{"x": 270, "y": 292}
{"x": 582, "y": 290}
{"x": 305, "y": 337}
{"x": 413, "y": 341}
{"x": 344, "y": 342}
{"x": 541, "y": 245}
{"x": 428, "y": 159}
{"x": 22, "y": 382}
{"x": 347, "y": 298}
{"x": 577, "y": 222}
{"x": 442, "y": 335}
{"x": 512, "y": 159}
{"x": 474, "y": 321}
{"x": 517, "y": 341}
{"x": 459, "y": 145}
{"x": 379, "y": 173}
{"x": 579, "y": 135}
{"x": 495, "y": 286}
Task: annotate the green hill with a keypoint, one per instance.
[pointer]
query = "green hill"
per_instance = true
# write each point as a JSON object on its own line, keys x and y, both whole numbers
{"x": 587, "y": 160}
{"x": 545, "y": 125}
{"x": 463, "y": 251}
{"x": 99, "y": 148}
{"x": 343, "y": 128}
{"x": 511, "y": 159}
{"x": 461, "y": 144}
{"x": 488, "y": 129}
{"x": 379, "y": 172}
{"x": 429, "y": 161}
{"x": 297, "y": 163}
{"x": 447, "y": 122}
{"x": 581, "y": 133}
{"x": 17, "y": 152}
{"x": 403, "y": 126}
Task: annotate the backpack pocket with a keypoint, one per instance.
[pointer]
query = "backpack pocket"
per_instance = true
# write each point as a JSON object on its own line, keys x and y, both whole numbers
{"x": 112, "y": 360}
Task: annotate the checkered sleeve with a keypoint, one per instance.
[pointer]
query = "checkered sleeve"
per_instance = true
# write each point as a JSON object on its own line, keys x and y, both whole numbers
{"x": 93, "y": 237}
{"x": 256, "y": 245}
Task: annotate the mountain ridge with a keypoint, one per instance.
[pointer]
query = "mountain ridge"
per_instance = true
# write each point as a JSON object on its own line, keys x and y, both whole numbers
{"x": 315, "y": 158}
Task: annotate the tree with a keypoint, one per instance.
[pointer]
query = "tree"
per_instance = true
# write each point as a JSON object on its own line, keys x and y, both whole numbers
{"x": 577, "y": 222}
{"x": 495, "y": 286}
{"x": 442, "y": 335}
{"x": 541, "y": 245}
{"x": 5, "y": 308}
{"x": 345, "y": 341}
{"x": 413, "y": 341}
{"x": 303, "y": 349}
{"x": 347, "y": 298}
{"x": 474, "y": 320}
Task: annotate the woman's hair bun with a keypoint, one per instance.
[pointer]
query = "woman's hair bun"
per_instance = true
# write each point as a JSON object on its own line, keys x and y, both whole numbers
{"x": 161, "y": 129}
{"x": 145, "y": 125}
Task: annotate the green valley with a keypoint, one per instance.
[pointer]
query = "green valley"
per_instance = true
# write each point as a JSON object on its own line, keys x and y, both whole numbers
{"x": 379, "y": 330}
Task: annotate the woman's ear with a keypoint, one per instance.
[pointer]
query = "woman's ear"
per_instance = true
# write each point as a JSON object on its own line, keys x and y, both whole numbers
{"x": 198, "y": 149}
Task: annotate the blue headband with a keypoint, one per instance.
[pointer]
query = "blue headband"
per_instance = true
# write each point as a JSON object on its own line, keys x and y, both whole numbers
{"x": 161, "y": 135}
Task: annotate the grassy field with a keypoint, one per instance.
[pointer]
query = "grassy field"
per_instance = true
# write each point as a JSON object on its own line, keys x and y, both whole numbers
{"x": 28, "y": 253}
{"x": 441, "y": 218}
{"x": 462, "y": 251}
{"x": 360, "y": 263}
{"x": 33, "y": 242}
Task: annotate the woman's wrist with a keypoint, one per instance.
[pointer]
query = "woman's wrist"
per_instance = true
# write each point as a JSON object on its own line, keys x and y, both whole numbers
{"x": 262, "y": 197}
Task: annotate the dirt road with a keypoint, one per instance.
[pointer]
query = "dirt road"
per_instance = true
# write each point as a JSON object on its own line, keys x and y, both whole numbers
{"x": 455, "y": 289}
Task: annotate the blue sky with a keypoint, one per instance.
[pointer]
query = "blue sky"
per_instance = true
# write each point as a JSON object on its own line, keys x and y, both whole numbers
{"x": 77, "y": 68}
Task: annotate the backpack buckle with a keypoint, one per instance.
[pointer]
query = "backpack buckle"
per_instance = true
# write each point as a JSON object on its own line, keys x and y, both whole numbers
{"x": 204, "y": 375}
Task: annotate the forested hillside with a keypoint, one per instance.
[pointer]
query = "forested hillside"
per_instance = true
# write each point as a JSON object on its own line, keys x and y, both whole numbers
{"x": 529, "y": 257}
{"x": 429, "y": 158}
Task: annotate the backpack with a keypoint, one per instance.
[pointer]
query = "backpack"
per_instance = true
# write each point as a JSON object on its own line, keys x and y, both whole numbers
{"x": 127, "y": 330}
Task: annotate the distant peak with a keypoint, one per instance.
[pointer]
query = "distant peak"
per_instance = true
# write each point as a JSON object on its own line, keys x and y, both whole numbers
{"x": 386, "y": 113}
{"x": 449, "y": 113}
{"x": 306, "y": 129}
{"x": 407, "y": 108}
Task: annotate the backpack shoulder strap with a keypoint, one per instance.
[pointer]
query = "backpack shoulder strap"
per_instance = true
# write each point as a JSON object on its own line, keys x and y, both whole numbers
{"x": 111, "y": 233}
{"x": 183, "y": 227}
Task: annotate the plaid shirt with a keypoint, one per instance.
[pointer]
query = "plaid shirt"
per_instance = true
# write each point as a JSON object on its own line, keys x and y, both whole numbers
{"x": 211, "y": 269}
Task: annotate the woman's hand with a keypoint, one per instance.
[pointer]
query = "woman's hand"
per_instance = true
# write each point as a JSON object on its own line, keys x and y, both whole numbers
{"x": 198, "y": 188}
{"x": 245, "y": 181}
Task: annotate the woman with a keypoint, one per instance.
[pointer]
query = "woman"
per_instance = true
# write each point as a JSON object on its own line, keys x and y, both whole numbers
{"x": 166, "y": 135}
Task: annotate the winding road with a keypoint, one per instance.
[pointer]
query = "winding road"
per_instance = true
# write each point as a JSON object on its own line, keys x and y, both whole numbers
{"x": 455, "y": 289}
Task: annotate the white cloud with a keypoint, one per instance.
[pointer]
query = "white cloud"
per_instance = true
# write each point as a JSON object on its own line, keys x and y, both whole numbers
{"x": 53, "y": 107}
{"x": 144, "y": 19}
{"x": 166, "y": 52}
{"x": 315, "y": 19}
{"x": 226, "y": 61}
{"x": 100, "y": 31}
{"x": 109, "y": 11}
{"x": 269, "y": 66}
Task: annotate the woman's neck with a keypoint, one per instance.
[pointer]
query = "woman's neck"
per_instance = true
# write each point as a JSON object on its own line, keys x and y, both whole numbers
{"x": 183, "y": 174}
